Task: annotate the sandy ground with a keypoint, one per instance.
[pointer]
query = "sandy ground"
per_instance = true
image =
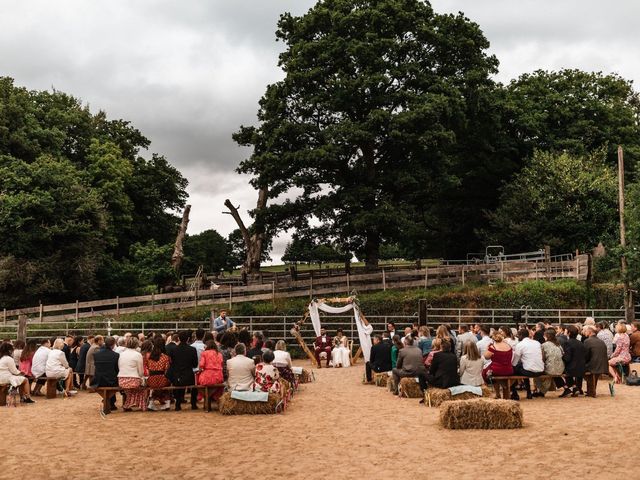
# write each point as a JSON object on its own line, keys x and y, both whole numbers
{"x": 335, "y": 428}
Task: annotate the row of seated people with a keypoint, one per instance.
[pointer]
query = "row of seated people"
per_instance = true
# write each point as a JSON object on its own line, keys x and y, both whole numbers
{"x": 451, "y": 360}
{"x": 181, "y": 359}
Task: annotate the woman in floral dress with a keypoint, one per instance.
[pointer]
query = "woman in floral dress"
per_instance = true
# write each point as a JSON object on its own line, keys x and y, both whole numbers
{"x": 156, "y": 364}
{"x": 267, "y": 376}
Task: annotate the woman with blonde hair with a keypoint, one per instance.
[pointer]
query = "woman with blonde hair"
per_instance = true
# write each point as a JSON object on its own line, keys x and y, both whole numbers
{"x": 621, "y": 355}
{"x": 471, "y": 364}
{"x": 436, "y": 347}
{"x": 58, "y": 367}
{"x": 130, "y": 376}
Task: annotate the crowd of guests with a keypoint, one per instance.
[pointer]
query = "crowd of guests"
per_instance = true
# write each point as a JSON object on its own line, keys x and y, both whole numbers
{"x": 142, "y": 365}
{"x": 477, "y": 354}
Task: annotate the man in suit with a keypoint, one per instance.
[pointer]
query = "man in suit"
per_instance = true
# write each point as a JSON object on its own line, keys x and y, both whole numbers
{"x": 323, "y": 344}
{"x": 105, "y": 361}
{"x": 409, "y": 364}
{"x": 379, "y": 359}
{"x": 184, "y": 359}
{"x": 596, "y": 359}
{"x": 241, "y": 370}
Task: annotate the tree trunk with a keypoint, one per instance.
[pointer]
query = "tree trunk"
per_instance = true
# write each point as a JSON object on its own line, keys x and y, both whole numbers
{"x": 252, "y": 241}
{"x": 178, "y": 253}
{"x": 372, "y": 250}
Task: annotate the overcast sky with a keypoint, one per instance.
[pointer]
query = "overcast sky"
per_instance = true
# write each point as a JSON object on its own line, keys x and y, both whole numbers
{"x": 189, "y": 73}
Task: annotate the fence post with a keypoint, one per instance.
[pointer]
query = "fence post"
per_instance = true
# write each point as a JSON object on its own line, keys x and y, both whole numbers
{"x": 21, "y": 334}
{"x": 559, "y": 317}
{"x": 118, "y": 307}
{"x": 251, "y": 324}
{"x": 493, "y": 317}
{"x": 384, "y": 282}
{"x": 40, "y": 313}
{"x": 426, "y": 277}
{"x": 196, "y": 298}
{"x": 459, "y": 319}
{"x": 273, "y": 292}
{"x": 142, "y": 328}
{"x": 108, "y": 327}
{"x": 311, "y": 286}
{"x": 77, "y": 310}
{"x": 348, "y": 288}
{"x": 153, "y": 302}
{"x": 502, "y": 271}
{"x": 230, "y": 295}
{"x": 4, "y": 316}
{"x": 463, "y": 275}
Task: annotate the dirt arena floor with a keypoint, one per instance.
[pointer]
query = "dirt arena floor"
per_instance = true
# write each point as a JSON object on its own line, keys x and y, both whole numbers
{"x": 335, "y": 428}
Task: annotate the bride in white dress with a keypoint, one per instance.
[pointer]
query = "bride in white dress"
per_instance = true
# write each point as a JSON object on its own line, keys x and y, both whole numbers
{"x": 340, "y": 352}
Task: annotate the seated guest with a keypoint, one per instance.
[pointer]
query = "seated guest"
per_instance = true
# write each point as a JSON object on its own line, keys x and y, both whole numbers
{"x": 621, "y": 355}
{"x": 10, "y": 375}
{"x": 267, "y": 376}
{"x": 508, "y": 336}
{"x": 395, "y": 349}
{"x": 471, "y": 364}
{"x": 574, "y": 362}
{"x": 82, "y": 360}
{"x": 211, "y": 369}
{"x": 408, "y": 332}
{"x": 443, "y": 332}
{"x": 443, "y": 372}
{"x": 241, "y": 370}
{"x": 74, "y": 354}
{"x": 26, "y": 358}
{"x": 464, "y": 336}
{"x": 184, "y": 359}
{"x": 424, "y": 341}
{"x": 485, "y": 341}
{"x": 634, "y": 341}
{"x": 57, "y": 366}
{"x": 228, "y": 342}
{"x": 18, "y": 346}
{"x": 538, "y": 334}
{"x": 90, "y": 368}
{"x": 121, "y": 344}
{"x": 527, "y": 361}
{"x": 322, "y": 344}
{"x": 340, "y": 352}
{"x": 172, "y": 343}
{"x": 436, "y": 346}
{"x": 379, "y": 358}
{"x": 409, "y": 364}
{"x": 130, "y": 375}
{"x": 595, "y": 356}
{"x": 553, "y": 363}
{"x": 105, "y": 362}
{"x": 39, "y": 363}
{"x": 255, "y": 352}
{"x": 606, "y": 336}
{"x": 500, "y": 356}
{"x": 156, "y": 365}
{"x": 282, "y": 361}
{"x": 245, "y": 337}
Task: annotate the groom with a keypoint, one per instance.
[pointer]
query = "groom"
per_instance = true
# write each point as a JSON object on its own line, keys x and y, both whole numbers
{"x": 322, "y": 344}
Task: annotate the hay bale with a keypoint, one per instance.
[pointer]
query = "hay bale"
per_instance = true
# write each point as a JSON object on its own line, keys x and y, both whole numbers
{"x": 285, "y": 389}
{"x": 481, "y": 414}
{"x": 231, "y": 406}
{"x": 380, "y": 379}
{"x": 391, "y": 385}
{"x": 435, "y": 396}
{"x": 409, "y": 388}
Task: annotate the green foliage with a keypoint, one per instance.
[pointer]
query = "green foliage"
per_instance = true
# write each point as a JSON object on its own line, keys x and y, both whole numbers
{"x": 303, "y": 248}
{"x": 74, "y": 198}
{"x": 209, "y": 249}
{"x": 152, "y": 263}
{"x": 561, "y": 200}
{"x": 375, "y": 96}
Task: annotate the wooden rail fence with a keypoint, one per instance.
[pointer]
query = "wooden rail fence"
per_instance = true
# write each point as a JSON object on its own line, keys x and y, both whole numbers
{"x": 227, "y": 295}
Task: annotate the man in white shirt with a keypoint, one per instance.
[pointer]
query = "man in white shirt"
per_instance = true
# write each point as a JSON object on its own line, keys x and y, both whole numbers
{"x": 39, "y": 363}
{"x": 198, "y": 345}
{"x": 241, "y": 370}
{"x": 484, "y": 342}
{"x": 527, "y": 361}
{"x": 464, "y": 336}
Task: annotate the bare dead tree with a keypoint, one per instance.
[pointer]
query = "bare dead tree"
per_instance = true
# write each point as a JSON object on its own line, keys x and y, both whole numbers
{"x": 178, "y": 253}
{"x": 253, "y": 241}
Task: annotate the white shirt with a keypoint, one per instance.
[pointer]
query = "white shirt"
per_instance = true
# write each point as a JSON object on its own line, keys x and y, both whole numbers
{"x": 199, "y": 346}
{"x": 39, "y": 361}
{"x": 57, "y": 364}
{"x": 130, "y": 364}
{"x": 120, "y": 349}
{"x": 483, "y": 346}
{"x": 529, "y": 352}
{"x": 281, "y": 358}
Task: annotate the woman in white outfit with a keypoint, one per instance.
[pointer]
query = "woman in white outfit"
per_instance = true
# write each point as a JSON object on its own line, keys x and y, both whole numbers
{"x": 340, "y": 352}
{"x": 58, "y": 367}
{"x": 10, "y": 375}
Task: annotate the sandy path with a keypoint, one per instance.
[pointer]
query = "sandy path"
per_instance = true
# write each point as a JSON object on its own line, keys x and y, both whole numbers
{"x": 335, "y": 428}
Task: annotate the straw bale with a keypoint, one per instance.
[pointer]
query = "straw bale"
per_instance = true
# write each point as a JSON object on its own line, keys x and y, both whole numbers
{"x": 434, "y": 397}
{"x": 481, "y": 414}
{"x": 380, "y": 379}
{"x": 409, "y": 388}
{"x": 231, "y": 406}
{"x": 306, "y": 376}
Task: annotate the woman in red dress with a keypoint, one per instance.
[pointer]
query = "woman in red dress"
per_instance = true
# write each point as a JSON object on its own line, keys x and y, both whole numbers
{"x": 156, "y": 365}
{"x": 211, "y": 369}
{"x": 500, "y": 354}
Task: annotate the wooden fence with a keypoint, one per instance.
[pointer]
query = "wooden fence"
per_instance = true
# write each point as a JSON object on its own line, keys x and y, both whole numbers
{"x": 227, "y": 295}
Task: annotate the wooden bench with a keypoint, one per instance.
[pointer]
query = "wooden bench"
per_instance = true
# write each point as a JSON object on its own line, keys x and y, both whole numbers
{"x": 590, "y": 378}
{"x": 107, "y": 392}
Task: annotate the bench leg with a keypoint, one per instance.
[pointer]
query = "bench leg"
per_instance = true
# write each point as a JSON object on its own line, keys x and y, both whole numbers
{"x": 207, "y": 400}
{"x": 51, "y": 388}
{"x": 3, "y": 396}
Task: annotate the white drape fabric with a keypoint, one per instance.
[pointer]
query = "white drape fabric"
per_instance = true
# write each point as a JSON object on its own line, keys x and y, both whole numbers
{"x": 364, "y": 331}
